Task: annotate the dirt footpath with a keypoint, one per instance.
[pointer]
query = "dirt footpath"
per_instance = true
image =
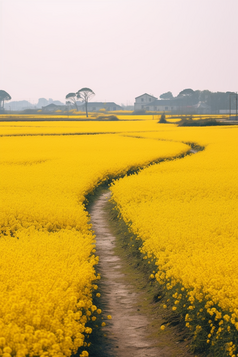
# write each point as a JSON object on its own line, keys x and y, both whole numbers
{"x": 131, "y": 331}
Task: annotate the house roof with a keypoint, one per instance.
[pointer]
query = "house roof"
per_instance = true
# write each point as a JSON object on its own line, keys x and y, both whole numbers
{"x": 165, "y": 102}
{"x": 146, "y": 94}
{"x": 102, "y": 103}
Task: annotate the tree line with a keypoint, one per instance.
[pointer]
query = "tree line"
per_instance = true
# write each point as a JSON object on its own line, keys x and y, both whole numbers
{"x": 84, "y": 94}
{"x": 215, "y": 100}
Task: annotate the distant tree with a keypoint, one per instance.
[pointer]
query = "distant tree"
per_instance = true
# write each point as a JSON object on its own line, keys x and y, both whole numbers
{"x": 205, "y": 95}
{"x": 3, "y": 97}
{"x": 186, "y": 93}
{"x": 167, "y": 95}
{"x": 162, "y": 119}
{"x": 231, "y": 98}
{"x": 230, "y": 93}
{"x": 222, "y": 100}
{"x": 85, "y": 94}
{"x": 189, "y": 98}
{"x": 42, "y": 102}
{"x": 72, "y": 98}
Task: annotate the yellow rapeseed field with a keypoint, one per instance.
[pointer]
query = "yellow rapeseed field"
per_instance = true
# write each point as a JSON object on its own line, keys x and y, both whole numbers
{"x": 48, "y": 257}
{"x": 74, "y": 127}
{"x": 185, "y": 212}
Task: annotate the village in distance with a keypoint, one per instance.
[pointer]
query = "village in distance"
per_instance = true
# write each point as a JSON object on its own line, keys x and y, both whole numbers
{"x": 188, "y": 101}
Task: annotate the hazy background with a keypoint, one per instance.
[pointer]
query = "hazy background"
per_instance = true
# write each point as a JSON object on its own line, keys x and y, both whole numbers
{"x": 118, "y": 48}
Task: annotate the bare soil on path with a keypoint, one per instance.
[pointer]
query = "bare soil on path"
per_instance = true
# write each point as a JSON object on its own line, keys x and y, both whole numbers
{"x": 134, "y": 329}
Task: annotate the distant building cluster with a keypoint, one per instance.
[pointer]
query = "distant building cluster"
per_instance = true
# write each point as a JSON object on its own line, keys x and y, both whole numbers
{"x": 179, "y": 105}
{"x": 186, "y": 102}
{"x": 92, "y": 107}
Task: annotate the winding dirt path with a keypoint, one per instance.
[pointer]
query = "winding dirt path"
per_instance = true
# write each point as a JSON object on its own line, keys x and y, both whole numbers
{"x": 129, "y": 331}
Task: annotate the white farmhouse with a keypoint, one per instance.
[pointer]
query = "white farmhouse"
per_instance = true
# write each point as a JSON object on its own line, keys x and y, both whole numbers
{"x": 143, "y": 101}
{"x": 151, "y": 103}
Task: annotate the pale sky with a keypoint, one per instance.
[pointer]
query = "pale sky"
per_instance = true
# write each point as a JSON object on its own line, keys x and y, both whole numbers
{"x": 118, "y": 48}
